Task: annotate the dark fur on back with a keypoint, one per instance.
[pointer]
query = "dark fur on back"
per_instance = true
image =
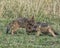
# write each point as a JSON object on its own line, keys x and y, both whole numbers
{"x": 42, "y": 24}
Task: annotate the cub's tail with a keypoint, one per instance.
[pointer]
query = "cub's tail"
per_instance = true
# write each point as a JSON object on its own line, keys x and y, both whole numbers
{"x": 7, "y": 29}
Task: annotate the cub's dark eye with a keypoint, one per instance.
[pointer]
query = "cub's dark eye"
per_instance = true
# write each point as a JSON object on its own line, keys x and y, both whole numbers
{"x": 29, "y": 27}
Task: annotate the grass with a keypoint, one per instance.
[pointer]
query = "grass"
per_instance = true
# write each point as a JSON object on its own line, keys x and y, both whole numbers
{"x": 28, "y": 41}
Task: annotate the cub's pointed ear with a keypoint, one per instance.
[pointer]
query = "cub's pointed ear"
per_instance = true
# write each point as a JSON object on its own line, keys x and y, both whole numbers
{"x": 32, "y": 17}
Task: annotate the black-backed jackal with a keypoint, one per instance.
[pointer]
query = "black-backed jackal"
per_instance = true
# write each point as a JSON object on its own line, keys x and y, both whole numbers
{"x": 21, "y": 22}
{"x": 43, "y": 28}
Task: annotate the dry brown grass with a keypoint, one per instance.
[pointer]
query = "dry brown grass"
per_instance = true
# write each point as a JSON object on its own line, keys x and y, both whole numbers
{"x": 14, "y": 8}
